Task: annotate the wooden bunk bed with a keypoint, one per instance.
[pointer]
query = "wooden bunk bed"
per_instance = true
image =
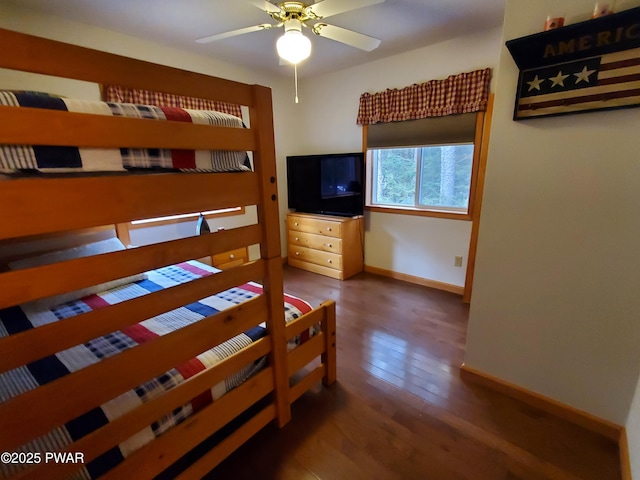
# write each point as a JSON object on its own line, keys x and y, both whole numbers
{"x": 41, "y": 207}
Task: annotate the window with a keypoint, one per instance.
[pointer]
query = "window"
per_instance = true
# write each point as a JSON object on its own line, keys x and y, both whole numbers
{"x": 124, "y": 229}
{"x": 428, "y": 177}
{"x": 424, "y": 167}
{"x": 189, "y": 216}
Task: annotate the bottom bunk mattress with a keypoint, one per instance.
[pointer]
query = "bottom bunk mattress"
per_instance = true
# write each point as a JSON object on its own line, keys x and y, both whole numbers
{"x": 15, "y": 382}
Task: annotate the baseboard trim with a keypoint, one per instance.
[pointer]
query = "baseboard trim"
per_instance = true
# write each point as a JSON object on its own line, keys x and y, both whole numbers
{"x": 625, "y": 461}
{"x": 533, "y": 399}
{"x": 447, "y": 287}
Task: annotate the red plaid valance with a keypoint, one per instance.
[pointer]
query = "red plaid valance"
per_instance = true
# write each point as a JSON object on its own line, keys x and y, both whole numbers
{"x": 462, "y": 93}
{"x": 113, "y": 93}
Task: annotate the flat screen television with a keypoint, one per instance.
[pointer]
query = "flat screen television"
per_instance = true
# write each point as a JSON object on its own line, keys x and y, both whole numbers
{"x": 330, "y": 184}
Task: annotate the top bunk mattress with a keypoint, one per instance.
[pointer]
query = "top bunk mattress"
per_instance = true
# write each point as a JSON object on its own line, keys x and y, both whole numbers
{"x": 57, "y": 159}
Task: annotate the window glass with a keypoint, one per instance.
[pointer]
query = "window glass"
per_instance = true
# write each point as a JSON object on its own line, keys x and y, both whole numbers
{"x": 394, "y": 177}
{"x": 446, "y": 176}
{"x": 428, "y": 177}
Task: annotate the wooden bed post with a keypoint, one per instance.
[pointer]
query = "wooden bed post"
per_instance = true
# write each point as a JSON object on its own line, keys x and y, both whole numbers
{"x": 261, "y": 117}
{"x": 329, "y": 355}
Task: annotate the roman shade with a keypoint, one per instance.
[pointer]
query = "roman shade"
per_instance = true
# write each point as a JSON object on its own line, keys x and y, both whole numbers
{"x": 447, "y": 130}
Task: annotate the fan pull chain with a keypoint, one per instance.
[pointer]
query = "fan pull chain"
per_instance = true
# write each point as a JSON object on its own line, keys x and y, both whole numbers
{"x": 295, "y": 77}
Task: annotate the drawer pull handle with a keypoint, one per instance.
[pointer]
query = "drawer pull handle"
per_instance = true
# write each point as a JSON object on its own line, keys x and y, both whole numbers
{"x": 296, "y": 224}
{"x": 329, "y": 245}
{"x": 328, "y": 229}
{"x": 232, "y": 256}
{"x": 329, "y": 261}
{"x": 297, "y": 253}
{"x": 297, "y": 239}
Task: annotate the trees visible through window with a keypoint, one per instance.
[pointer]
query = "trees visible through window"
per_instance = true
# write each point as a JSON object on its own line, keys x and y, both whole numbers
{"x": 430, "y": 177}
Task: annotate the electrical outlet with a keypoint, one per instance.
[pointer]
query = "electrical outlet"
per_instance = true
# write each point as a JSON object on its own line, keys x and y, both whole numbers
{"x": 457, "y": 261}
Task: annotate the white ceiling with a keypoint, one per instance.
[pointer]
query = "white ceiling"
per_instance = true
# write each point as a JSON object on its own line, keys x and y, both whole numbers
{"x": 402, "y": 25}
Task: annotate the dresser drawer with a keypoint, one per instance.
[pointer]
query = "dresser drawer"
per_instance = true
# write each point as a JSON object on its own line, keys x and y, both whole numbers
{"x": 316, "y": 242}
{"x": 315, "y": 225}
{"x": 325, "y": 259}
{"x": 231, "y": 258}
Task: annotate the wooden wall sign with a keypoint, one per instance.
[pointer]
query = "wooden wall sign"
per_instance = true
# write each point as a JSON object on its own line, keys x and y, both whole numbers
{"x": 592, "y": 65}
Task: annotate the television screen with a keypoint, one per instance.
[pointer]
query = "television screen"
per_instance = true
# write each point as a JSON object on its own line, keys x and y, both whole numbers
{"x": 330, "y": 184}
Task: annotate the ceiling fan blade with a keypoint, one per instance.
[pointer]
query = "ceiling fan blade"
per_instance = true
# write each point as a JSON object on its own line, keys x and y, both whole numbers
{"x": 266, "y": 6}
{"x": 349, "y": 37}
{"x": 326, "y": 8}
{"x": 233, "y": 33}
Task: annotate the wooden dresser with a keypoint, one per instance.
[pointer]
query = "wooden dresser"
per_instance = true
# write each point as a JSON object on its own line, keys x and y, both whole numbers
{"x": 231, "y": 259}
{"x": 331, "y": 246}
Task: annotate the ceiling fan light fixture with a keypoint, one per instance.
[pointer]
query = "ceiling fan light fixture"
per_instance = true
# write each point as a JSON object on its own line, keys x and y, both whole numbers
{"x": 293, "y": 46}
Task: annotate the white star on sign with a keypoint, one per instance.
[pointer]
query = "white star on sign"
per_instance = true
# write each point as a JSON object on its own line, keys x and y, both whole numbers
{"x": 535, "y": 84}
{"x": 558, "y": 79}
{"x": 583, "y": 75}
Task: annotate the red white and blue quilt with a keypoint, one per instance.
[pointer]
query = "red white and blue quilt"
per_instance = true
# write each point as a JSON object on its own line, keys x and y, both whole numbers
{"x": 15, "y": 382}
{"x": 72, "y": 159}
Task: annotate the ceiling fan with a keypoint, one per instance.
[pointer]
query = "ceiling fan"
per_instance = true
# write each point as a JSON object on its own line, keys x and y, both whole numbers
{"x": 293, "y": 46}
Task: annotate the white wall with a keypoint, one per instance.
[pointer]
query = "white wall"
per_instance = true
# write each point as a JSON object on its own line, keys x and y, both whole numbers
{"x": 23, "y": 20}
{"x": 633, "y": 433}
{"x": 419, "y": 246}
{"x": 555, "y": 302}
{"x": 187, "y": 228}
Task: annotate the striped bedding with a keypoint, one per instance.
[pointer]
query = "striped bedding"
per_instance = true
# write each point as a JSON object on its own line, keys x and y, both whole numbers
{"x": 19, "y": 380}
{"x": 57, "y": 159}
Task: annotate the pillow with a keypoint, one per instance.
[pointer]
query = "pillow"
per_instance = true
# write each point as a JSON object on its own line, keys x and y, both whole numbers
{"x": 89, "y": 249}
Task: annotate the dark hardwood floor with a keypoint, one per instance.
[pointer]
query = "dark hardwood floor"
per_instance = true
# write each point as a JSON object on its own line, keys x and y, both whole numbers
{"x": 400, "y": 410}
